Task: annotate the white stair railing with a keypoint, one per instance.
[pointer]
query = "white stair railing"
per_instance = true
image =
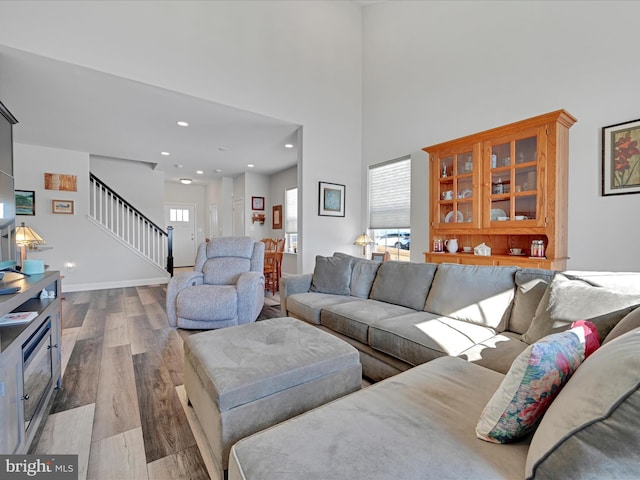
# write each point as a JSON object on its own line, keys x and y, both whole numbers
{"x": 126, "y": 223}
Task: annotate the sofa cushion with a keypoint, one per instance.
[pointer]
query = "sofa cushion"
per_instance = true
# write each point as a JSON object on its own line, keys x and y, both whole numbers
{"x": 363, "y": 273}
{"x": 626, "y": 282}
{"x": 353, "y": 319}
{"x": 533, "y": 381}
{"x": 208, "y": 302}
{"x": 630, "y": 322}
{"x": 497, "y": 353}
{"x": 416, "y": 425}
{"x": 594, "y": 421}
{"x": 531, "y": 283}
{"x": 307, "y": 306}
{"x": 566, "y": 301}
{"x": 480, "y": 295}
{"x": 331, "y": 275}
{"x": 421, "y": 336}
{"x": 403, "y": 283}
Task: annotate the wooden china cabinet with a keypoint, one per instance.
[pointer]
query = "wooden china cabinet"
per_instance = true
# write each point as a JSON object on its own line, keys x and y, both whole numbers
{"x": 503, "y": 187}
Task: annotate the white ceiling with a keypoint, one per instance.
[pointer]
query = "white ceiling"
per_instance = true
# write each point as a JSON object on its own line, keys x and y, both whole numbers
{"x": 69, "y": 107}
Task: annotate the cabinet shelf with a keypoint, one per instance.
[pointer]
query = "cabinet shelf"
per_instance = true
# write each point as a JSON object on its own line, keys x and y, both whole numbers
{"x": 518, "y": 170}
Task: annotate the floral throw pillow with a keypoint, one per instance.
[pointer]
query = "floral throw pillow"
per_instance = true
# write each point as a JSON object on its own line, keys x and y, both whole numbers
{"x": 535, "y": 378}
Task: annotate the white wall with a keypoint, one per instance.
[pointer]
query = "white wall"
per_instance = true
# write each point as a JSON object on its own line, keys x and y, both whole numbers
{"x": 256, "y": 185}
{"x": 99, "y": 260}
{"x": 278, "y": 183}
{"x": 137, "y": 182}
{"x": 435, "y": 71}
{"x": 298, "y": 61}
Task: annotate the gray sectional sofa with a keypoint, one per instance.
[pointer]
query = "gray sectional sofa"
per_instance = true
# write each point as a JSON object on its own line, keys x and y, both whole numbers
{"x": 443, "y": 337}
{"x": 401, "y": 314}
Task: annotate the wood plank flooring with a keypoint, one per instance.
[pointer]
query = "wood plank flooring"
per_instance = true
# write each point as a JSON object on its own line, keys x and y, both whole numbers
{"x": 122, "y": 407}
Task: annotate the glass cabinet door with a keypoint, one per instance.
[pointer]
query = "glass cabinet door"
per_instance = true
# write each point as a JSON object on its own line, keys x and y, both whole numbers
{"x": 514, "y": 180}
{"x": 457, "y": 196}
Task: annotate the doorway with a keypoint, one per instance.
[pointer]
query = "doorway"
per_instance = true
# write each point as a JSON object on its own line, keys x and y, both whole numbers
{"x": 183, "y": 220}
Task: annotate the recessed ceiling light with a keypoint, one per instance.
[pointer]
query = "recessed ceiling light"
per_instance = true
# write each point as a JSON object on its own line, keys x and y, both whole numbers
{"x": 218, "y": 170}
{"x": 251, "y": 165}
{"x": 288, "y": 145}
{"x": 186, "y": 181}
{"x": 183, "y": 124}
{"x": 165, "y": 153}
{"x": 222, "y": 149}
{"x": 178, "y": 165}
{"x": 199, "y": 172}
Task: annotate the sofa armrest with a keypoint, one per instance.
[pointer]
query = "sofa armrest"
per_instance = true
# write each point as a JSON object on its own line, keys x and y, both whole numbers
{"x": 250, "y": 287}
{"x": 290, "y": 284}
{"x": 177, "y": 283}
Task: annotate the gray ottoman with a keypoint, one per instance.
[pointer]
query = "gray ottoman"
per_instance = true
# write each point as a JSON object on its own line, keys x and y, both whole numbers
{"x": 241, "y": 380}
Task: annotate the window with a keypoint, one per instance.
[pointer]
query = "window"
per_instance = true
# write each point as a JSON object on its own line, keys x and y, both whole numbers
{"x": 178, "y": 215}
{"x": 390, "y": 207}
{"x": 291, "y": 220}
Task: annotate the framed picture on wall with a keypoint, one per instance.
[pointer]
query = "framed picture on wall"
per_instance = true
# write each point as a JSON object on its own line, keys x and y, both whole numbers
{"x": 276, "y": 216}
{"x": 25, "y": 202}
{"x": 257, "y": 203}
{"x": 60, "y": 181}
{"x": 62, "y": 206}
{"x": 331, "y": 199}
{"x": 621, "y": 158}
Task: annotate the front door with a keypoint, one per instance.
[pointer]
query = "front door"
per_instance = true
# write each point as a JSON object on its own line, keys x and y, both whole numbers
{"x": 182, "y": 219}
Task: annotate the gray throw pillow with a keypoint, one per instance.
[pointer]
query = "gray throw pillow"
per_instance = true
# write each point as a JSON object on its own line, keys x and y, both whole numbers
{"x": 331, "y": 275}
{"x": 531, "y": 284}
{"x": 630, "y": 322}
{"x": 363, "y": 273}
{"x": 592, "y": 428}
{"x": 566, "y": 301}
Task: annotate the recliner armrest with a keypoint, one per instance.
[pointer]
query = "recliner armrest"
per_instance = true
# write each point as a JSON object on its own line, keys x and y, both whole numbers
{"x": 177, "y": 283}
{"x": 250, "y": 287}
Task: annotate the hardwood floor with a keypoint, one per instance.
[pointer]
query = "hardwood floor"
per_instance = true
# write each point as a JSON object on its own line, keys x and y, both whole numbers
{"x": 122, "y": 407}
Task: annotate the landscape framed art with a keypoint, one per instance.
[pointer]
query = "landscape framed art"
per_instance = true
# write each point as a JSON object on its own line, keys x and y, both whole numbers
{"x": 62, "y": 206}
{"x": 25, "y": 202}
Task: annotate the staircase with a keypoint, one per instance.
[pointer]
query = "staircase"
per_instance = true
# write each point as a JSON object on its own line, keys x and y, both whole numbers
{"x": 128, "y": 225}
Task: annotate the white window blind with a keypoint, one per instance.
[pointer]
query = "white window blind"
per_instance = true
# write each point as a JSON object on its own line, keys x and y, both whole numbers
{"x": 291, "y": 210}
{"x": 390, "y": 194}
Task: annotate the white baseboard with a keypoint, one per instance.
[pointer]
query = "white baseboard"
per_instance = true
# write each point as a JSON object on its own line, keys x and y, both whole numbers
{"x": 67, "y": 288}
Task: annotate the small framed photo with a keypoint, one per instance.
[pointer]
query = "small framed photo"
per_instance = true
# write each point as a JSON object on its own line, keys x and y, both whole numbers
{"x": 331, "y": 199}
{"x": 25, "y": 202}
{"x": 257, "y": 203}
{"x": 276, "y": 216}
{"x": 62, "y": 206}
{"x": 378, "y": 256}
{"x": 621, "y": 158}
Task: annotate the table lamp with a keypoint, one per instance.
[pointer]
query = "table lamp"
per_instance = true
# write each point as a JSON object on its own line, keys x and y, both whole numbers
{"x": 26, "y": 237}
{"x": 363, "y": 240}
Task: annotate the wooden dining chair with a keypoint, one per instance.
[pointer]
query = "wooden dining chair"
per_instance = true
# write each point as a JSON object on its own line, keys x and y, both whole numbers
{"x": 271, "y": 270}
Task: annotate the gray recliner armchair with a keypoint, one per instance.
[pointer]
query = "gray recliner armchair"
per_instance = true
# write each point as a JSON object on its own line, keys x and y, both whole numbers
{"x": 226, "y": 287}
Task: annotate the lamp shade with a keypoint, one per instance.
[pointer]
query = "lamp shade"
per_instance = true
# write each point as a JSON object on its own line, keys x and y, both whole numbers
{"x": 28, "y": 236}
{"x": 363, "y": 240}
